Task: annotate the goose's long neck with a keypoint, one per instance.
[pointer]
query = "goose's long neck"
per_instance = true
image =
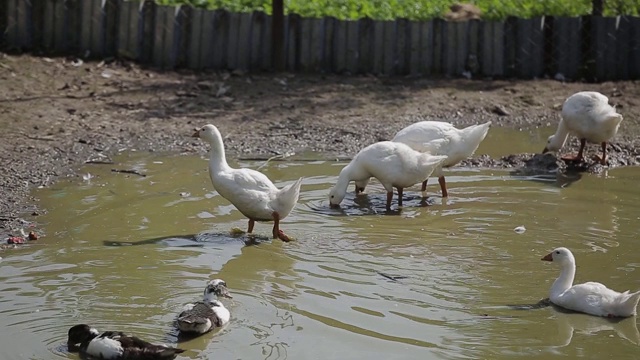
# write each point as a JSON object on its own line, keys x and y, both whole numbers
{"x": 217, "y": 158}
{"x": 344, "y": 179}
{"x": 565, "y": 280}
{"x": 560, "y": 137}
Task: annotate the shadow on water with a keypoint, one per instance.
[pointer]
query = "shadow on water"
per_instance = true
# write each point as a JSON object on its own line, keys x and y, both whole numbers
{"x": 196, "y": 240}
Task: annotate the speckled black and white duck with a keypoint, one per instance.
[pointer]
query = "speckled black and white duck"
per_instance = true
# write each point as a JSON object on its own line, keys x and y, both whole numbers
{"x": 203, "y": 316}
{"x": 115, "y": 345}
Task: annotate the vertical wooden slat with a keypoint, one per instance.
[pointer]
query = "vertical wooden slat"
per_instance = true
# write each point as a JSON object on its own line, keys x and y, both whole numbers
{"x": 244, "y": 41}
{"x": 110, "y": 27}
{"x": 566, "y": 45}
{"x": 402, "y": 41}
{"x": 221, "y": 39}
{"x": 537, "y": 46}
{"x": 634, "y": 48}
{"x": 181, "y": 38}
{"x": 511, "y": 46}
{"x": 498, "y": 49}
{"x": 147, "y": 36}
{"x": 208, "y": 40}
{"x": 600, "y": 28}
{"x": 365, "y": 45}
{"x": 136, "y": 30}
{"x": 257, "y": 27}
{"x": 85, "y": 31}
{"x": 317, "y": 44}
{"x": 60, "y": 36}
{"x": 378, "y": 47}
{"x": 171, "y": 37}
{"x": 11, "y": 32}
{"x": 25, "y": 24}
{"x": 42, "y": 18}
{"x": 73, "y": 25}
{"x": 44, "y": 13}
{"x": 449, "y": 48}
{"x": 292, "y": 43}
{"x": 471, "y": 60}
{"x": 426, "y": 47}
{"x": 340, "y": 46}
{"x": 438, "y": 49}
{"x": 389, "y": 60}
{"x": 159, "y": 35}
{"x": 124, "y": 19}
{"x": 462, "y": 46}
{"x": 97, "y": 28}
{"x": 233, "y": 44}
{"x": 195, "y": 35}
{"x": 329, "y": 40}
{"x": 267, "y": 59}
{"x": 352, "y": 53}
{"x": 305, "y": 44}
{"x": 4, "y": 17}
{"x": 623, "y": 47}
{"x": 414, "y": 49}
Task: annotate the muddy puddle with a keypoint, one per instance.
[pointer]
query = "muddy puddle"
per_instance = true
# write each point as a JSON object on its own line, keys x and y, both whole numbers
{"x": 443, "y": 278}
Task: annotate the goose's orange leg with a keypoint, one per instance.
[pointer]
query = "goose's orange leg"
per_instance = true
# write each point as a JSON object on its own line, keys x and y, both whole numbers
{"x": 424, "y": 188}
{"x": 389, "y": 198}
{"x": 277, "y": 233}
{"x": 400, "y": 196}
{"x": 578, "y": 157}
{"x": 251, "y": 224}
{"x": 443, "y": 186}
{"x": 603, "y": 160}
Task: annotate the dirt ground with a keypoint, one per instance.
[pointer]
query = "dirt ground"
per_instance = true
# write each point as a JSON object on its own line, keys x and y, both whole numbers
{"x": 58, "y": 113}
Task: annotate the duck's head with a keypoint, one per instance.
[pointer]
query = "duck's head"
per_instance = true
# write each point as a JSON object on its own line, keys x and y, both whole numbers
{"x": 560, "y": 255}
{"x": 208, "y": 133}
{"x": 78, "y": 334}
{"x": 551, "y": 145}
{"x": 335, "y": 197}
{"x": 216, "y": 288}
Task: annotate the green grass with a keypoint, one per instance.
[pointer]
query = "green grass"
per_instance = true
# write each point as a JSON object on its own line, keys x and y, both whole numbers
{"x": 418, "y": 9}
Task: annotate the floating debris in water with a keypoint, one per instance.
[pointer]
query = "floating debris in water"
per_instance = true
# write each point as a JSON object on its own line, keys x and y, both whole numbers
{"x": 15, "y": 240}
{"x": 87, "y": 177}
{"x": 520, "y": 229}
{"x": 33, "y": 235}
{"x": 185, "y": 194}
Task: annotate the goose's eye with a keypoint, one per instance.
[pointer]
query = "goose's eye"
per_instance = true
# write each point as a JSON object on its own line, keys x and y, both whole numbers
{"x": 558, "y": 252}
{"x": 332, "y": 196}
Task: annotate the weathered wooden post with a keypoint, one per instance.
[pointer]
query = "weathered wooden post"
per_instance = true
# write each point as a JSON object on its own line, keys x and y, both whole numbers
{"x": 277, "y": 34}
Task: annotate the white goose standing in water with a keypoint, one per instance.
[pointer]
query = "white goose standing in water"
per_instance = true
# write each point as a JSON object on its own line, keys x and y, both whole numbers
{"x": 250, "y": 191}
{"x": 587, "y": 115}
{"x": 393, "y": 164}
{"x": 591, "y": 297}
{"x": 439, "y": 138}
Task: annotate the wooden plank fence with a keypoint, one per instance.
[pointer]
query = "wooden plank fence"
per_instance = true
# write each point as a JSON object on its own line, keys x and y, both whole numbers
{"x": 169, "y": 37}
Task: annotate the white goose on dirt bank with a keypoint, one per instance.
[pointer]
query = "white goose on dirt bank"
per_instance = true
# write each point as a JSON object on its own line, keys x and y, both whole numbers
{"x": 250, "y": 191}
{"x": 393, "y": 164}
{"x": 440, "y": 138}
{"x": 591, "y": 297}
{"x": 587, "y": 115}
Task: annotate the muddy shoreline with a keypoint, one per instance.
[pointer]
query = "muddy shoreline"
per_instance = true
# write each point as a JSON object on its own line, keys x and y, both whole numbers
{"x": 56, "y": 114}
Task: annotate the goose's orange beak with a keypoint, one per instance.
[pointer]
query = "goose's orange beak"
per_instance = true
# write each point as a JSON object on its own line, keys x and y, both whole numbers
{"x": 196, "y": 133}
{"x": 545, "y": 150}
{"x": 547, "y": 257}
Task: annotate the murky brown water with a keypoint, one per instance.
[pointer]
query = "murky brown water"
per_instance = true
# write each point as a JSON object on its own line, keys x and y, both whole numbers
{"x": 126, "y": 252}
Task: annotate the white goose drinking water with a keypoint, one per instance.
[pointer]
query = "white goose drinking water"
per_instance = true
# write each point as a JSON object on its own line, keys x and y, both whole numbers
{"x": 591, "y": 297}
{"x": 250, "y": 191}
{"x": 439, "y": 138}
{"x": 115, "y": 345}
{"x": 393, "y": 164}
{"x": 203, "y": 316}
{"x": 587, "y": 115}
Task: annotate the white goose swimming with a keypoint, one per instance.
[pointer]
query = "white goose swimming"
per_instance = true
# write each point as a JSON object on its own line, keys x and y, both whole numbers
{"x": 591, "y": 297}
{"x": 250, "y": 191}
{"x": 587, "y": 115}
{"x": 440, "y": 138}
{"x": 203, "y": 316}
{"x": 393, "y": 164}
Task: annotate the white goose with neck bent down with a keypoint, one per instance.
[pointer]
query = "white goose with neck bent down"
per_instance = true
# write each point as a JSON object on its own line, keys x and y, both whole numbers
{"x": 440, "y": 138}
{"x": 591, "y": 297}
{"x": 250, "y": 191}
{"x": 393, "y": 164}
{"x": 587, "y": 115}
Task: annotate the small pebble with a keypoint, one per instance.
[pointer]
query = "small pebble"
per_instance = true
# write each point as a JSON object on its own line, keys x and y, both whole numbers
{"x": 33, "y": 236}
{"x": 520, "y": 229}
